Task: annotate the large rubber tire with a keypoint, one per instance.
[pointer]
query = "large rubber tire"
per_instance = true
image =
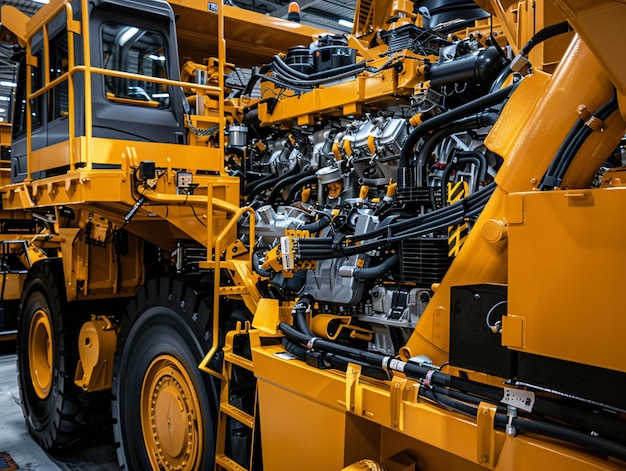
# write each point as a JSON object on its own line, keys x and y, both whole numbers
{"x": 58, "y": 413}
{"x": 164, "y": 407}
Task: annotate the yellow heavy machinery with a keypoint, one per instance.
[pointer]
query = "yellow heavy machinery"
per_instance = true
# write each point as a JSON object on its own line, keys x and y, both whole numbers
{"x": 281, "y": 248}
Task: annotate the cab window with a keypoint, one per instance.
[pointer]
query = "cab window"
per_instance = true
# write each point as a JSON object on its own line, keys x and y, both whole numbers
{"x": 138, "y": 51}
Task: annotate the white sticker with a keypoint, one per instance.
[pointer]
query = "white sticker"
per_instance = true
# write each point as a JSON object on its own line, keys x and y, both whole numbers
{"x": 285, "y": 251}
{"x": 519, "y": 398}
{"x": 285, "y": 356}
{"x": 212, "y": 7}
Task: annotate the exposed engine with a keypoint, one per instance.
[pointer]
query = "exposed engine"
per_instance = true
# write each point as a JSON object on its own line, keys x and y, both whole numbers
{"x": 357, "y": 211}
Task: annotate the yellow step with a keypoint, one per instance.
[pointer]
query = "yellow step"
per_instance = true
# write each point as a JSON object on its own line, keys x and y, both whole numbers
{"x": 238, "y": 360}
{"x": 229, "y": 465}
{"x": 237, "y": 414}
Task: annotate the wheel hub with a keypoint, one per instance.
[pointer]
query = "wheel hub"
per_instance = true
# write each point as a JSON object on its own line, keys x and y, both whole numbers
{"x": 40, "y": 356}
{"x": 171, "y": 423}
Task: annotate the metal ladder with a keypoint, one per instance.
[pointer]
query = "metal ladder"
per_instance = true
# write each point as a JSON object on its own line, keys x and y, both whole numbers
{"x": 232, "y": 417}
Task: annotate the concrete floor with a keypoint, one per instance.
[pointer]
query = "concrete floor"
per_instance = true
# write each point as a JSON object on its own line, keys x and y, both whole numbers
{"x": 15, "y": 440}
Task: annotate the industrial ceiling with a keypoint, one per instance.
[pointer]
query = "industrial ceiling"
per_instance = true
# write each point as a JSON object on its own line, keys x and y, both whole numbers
{"x": 330, "y": 15}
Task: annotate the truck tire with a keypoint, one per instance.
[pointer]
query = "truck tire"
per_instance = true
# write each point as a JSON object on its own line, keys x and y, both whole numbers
{"x": 57, "y": 412}
{"x": 164, "y": 408}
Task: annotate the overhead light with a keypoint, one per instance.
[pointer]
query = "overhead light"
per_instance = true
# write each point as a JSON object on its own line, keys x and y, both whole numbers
{"x": 154, "y": 57}
{"x": 346, "y": 23}
{"x": 4, "y": 98}
{"x": 128, "y": 33}
{"x": 4, "y": 83}
{"x": 41, "y": 1}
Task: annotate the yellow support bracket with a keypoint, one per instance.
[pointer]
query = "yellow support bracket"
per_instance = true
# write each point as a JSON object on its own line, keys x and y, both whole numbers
{"x": 354, "y": 392}
{"x": 486, "y": 443}
{"x": 396, "y": 393}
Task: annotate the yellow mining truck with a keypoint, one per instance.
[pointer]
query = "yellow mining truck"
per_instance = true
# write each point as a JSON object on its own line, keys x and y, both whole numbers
{"x": 265, "y": 246}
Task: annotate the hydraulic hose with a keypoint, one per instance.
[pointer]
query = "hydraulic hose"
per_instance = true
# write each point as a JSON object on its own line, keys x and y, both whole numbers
{"x": 299, "y": 184}
{"x": 256, "y": 266}
{"x": 465, "y": 157}
{"x": 252, "y": 185}
{"x": 314, "y": 227}
{"x": 472, "y": 122}
{"x": 286, "y": 181}
{"x": 404, "y": 171}
{"x": 371, "y": 273}
{"x": 272, "y": 182}
{"x": 442, "y": 396}
{"x": 299, "y": 312}
{"x": 571, "y": 145}
{"x": 296, "y": 75}
{"x": 545, "y": 34}
{"x": 326, "y": 248}
{"x": 448, "y": 117}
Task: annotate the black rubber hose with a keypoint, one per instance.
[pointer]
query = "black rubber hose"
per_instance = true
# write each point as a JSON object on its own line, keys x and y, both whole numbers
{"x": 448, "y": 170}
{"x": 299, "y": 184}
{"x": 372, "y": 273}
{"x": 471, "y": 157}
{"x": 448, "y": 117}
{"x": 472, "y": 122}
{"x": 314, "y": 227}
{"x": 326, "y": 74}
{"x": 320, "y": 77}
{"x": 545, "y": 34}
{"x": 294, "y": 349}
{"x": 270, "y": 183}
{"x": 545, "y": 429}
{"x": 341, "y": 363}
{"x": 284, "y": 182}
{"x": 570, "y": 146}
{"x": 326, "y": 248}
{"x": 566, "y": 434}
{"x": 256, "y": 266}
{"x": 405, "y": 176}
{"x": 316, "y": 343}
{"x": 299, "y": 311}
{"x": 441, "y": 379}
{"x": 252, "y": 185}
{"x": 570, "y": 153}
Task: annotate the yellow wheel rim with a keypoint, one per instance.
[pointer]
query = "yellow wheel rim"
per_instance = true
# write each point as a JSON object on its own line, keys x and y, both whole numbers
{"x": 40, "y": 353}
{"x": 171, "y": 422}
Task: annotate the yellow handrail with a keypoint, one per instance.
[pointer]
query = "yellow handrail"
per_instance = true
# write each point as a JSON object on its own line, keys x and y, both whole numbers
{"x": 216, "y": 283}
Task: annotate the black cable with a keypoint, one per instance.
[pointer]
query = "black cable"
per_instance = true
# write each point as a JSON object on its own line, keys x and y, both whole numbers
{"x": 448, "y": 117}
{"x": 298, "y": 185}
{"x": 326, "y": 248}
{"x": 270, "y": 183}
{"x": 546, "y": 33}
{"x": 471, "y": 122}
{"x": 300, "y": 78}
{"x": 314, "y": 227}
{"x": 194, "y": 213}
{"x": 442, "y": 396}
{"x": 571, "y": 145}
{"x": 372, "y": 273}
{"x": 572, "y": 149}
{"x": 252, "y": 185}
{"x": 284, "y": 182}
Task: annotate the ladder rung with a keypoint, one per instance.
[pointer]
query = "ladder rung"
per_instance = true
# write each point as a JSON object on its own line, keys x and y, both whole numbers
{"x": 228, "y": 464}
{"x": 238, "y": 415}
{"x": 226, "y": 290}
{"x": 238, "y": 360}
